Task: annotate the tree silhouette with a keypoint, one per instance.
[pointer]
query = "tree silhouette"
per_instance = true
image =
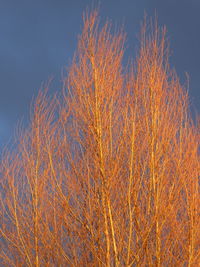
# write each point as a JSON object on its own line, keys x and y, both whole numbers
{"x": 107, "y": 174}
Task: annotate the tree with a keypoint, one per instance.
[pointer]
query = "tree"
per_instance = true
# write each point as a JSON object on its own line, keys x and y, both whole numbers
{"x": 108, "y": 173}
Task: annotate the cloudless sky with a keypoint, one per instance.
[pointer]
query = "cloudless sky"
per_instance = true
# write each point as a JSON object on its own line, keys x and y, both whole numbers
{"x": 38, "y": 38}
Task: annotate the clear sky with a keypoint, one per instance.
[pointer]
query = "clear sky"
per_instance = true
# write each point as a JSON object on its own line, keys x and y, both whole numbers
{"x": 38, "y": 38}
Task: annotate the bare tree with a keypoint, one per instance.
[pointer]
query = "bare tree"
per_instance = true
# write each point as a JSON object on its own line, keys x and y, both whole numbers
{"x": 108, "y": 173}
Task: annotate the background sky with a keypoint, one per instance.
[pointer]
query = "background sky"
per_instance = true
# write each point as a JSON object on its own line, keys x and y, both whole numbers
{"x": 38, "y": 38}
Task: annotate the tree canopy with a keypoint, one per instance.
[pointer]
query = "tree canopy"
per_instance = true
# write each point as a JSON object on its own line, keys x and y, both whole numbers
{"x": 107, "y": 173}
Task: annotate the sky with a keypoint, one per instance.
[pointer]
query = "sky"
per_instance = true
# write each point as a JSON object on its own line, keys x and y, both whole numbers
{"x": 38, "y": 39}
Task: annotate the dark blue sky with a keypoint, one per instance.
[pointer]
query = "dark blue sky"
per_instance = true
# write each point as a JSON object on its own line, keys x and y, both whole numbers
{"x": 38, "y": 38}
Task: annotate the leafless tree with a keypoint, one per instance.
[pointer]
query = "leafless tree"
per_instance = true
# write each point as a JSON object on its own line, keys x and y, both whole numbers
{"x": 107, "y": 174}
